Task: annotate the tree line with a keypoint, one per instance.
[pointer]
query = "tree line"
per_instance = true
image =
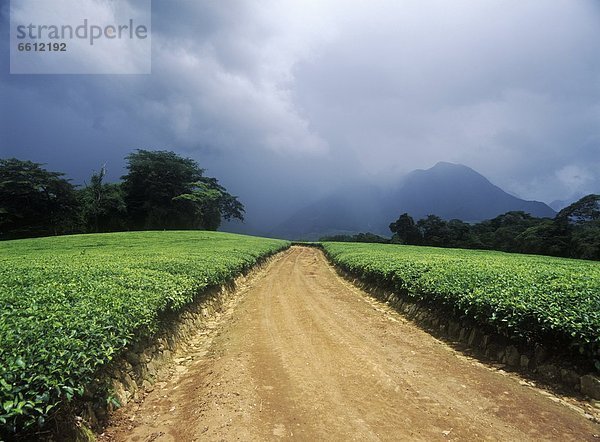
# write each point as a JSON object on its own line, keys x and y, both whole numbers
{"x": 573, "y": 233}
{"x": 161, "y": 190}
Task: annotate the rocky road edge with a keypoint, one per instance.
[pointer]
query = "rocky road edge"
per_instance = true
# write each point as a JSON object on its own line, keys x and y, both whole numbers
{"x": 536, "y": 361}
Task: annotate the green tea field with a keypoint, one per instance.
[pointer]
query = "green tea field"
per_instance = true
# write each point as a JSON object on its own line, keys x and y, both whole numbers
{"x": 69, "y": 304}
{"x": 298, "y": 351}
{"x": 521, "y": 296}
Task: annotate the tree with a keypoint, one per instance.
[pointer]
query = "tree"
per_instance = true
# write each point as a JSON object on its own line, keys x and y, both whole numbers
{"x": 548, "y": 238}
{"x": 460, "y": 234}
{"x": 163, "y": 190}
{"x": 213, "y": 203}
{"x": 405, "y": 231}
{"x": 587, "y": 209}
{"x": 102, "y": 206}
{"x": 582, "y": 220}
{"x": 366, "y": 237}
{"x": 434, "y": 231}
{"x": 586, "y": 241}
{"x": 34, "y": 201}
{"x": 501, "y": 233}
{"x": 154, "y": 178}
{"x": 574, "y": 232}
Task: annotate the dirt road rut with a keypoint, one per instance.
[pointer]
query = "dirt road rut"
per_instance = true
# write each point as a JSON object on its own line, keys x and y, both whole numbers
{"x": 306, "y": 355}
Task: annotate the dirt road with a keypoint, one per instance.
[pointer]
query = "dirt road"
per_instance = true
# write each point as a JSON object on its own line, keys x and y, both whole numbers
{"x": 306, "y": 355}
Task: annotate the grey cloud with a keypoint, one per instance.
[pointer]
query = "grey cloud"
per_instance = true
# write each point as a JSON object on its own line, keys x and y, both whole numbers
{"x": 510, "y": 88}
{"x": 285, "y": 100}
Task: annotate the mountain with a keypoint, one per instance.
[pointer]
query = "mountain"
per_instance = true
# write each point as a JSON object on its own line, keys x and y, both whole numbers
{"x": 558, "y": 205}
{"x": 456, "y": 191}
{"x": 447, "y": 190}
{"x": 347, "y": 211}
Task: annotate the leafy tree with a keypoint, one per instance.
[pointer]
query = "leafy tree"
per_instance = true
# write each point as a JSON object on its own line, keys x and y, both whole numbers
{"x": 371, "y": 238}
{"x": 154, "y": 178}
{"x": 213, "y": 203}
{"x": 405, "y": 230}
{"x": 574, "y": 232}
{"x": 587, "y": 209}
{"x": 367, "y": 237}
{"x": 163, "y": 190}
{"x": 586, "y": 241}
{"x": 102, "y": 206}
{"x": 500, "y": 233}
{"x": 35, "y": 201}
{"x": 582, "y": 219}
{"x": 547, "y": 238}
{"x": 434, "y": 231}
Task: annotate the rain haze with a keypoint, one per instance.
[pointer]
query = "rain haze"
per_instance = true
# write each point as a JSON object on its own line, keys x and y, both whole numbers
{"x": 287, "y": 101}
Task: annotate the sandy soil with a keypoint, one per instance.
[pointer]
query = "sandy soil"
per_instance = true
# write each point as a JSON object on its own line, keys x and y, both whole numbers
{"x": 304, "y": 354}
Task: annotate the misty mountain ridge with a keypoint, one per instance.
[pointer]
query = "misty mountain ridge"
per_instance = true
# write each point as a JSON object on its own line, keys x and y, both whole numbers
{"x": 450, "y": 191}
{"x": 558, "y": 205}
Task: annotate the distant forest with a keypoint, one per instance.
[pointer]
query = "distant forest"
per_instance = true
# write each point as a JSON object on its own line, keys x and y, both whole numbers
{"x": 573, "y": 233}
{"x": 164, "y": 191}
{"x": 161, "y": 190}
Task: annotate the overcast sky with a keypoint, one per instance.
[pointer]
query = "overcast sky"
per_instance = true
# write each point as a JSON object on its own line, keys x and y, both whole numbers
{"x": 284, "y": 100}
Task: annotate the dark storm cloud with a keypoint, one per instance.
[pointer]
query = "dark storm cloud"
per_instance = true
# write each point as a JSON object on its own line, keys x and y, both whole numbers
{"x": 510, "y": 88}
{"x": 283, "y": 100}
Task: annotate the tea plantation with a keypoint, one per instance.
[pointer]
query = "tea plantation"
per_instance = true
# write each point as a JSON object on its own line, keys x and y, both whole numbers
{"x": 69, "y": 304}
{"x": 522, "y": 296}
